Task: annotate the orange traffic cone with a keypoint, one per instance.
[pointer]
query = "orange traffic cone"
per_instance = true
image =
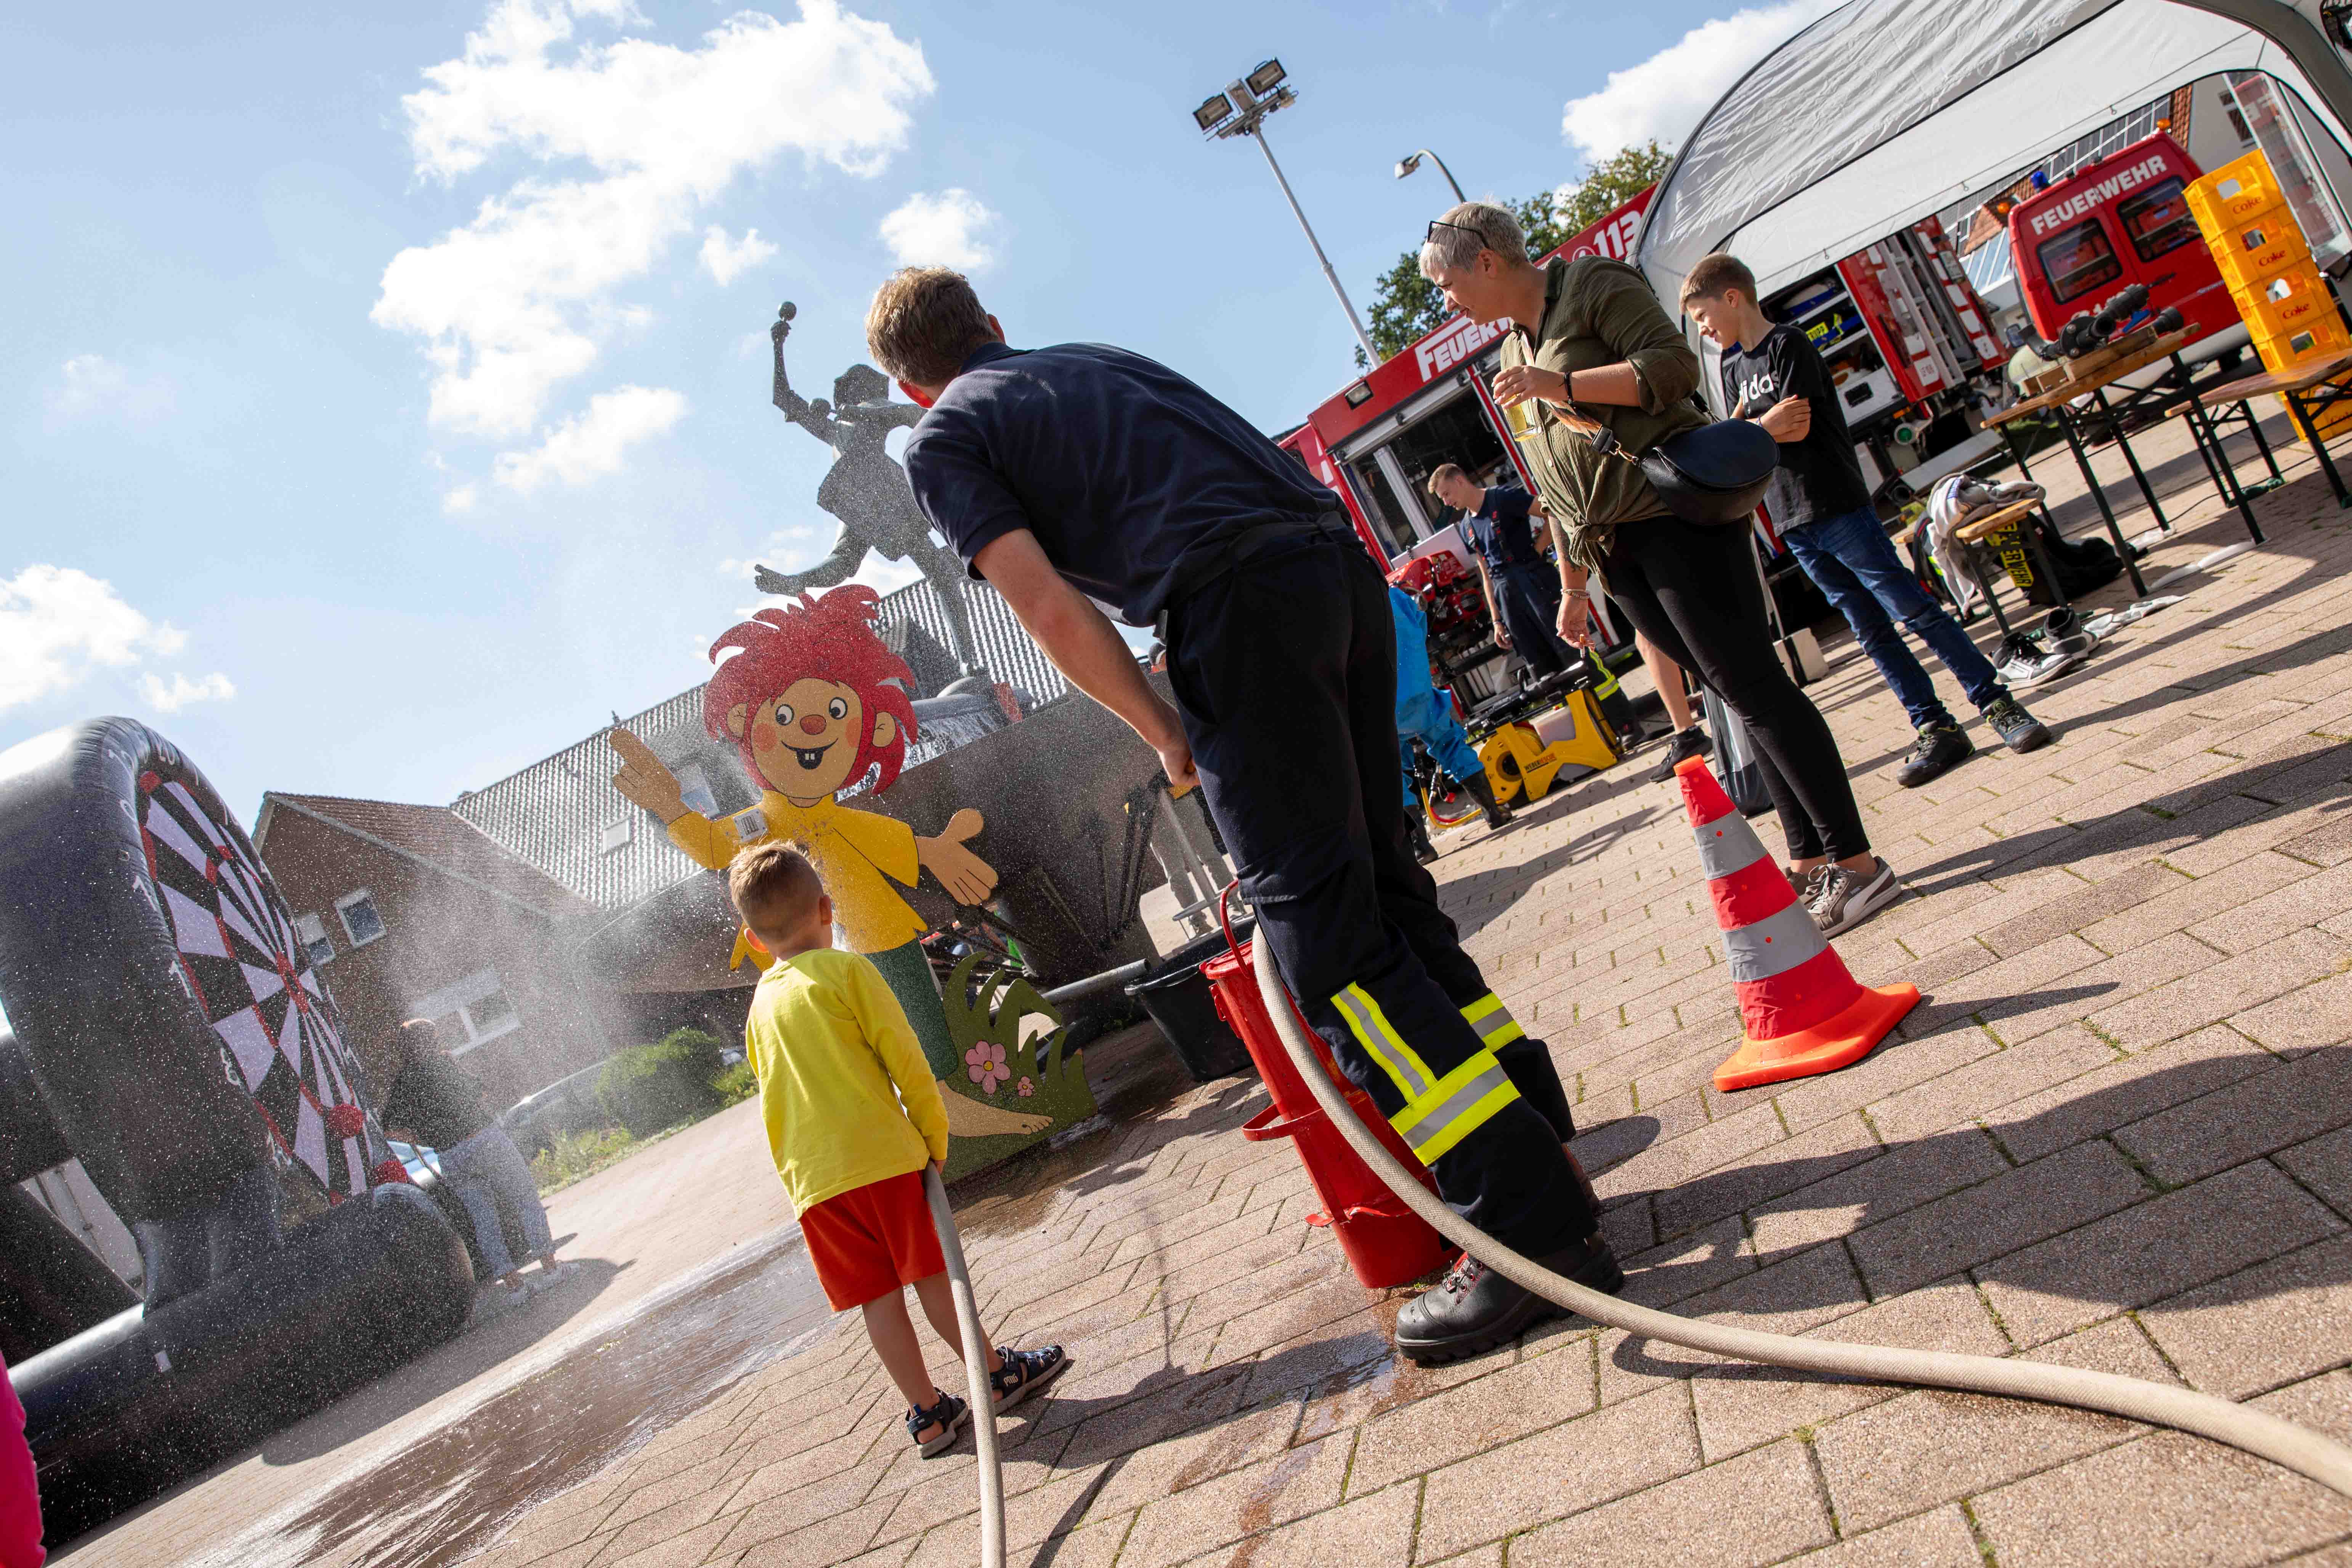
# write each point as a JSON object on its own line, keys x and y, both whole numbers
{"x": 1803, "y": 1013}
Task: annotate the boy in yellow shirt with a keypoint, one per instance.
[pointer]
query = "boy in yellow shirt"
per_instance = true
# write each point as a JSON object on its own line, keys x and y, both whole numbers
{"x": 854, "y": 1121}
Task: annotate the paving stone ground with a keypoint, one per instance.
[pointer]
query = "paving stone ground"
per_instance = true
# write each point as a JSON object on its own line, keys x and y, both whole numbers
{"x": 2116, "y": 1134}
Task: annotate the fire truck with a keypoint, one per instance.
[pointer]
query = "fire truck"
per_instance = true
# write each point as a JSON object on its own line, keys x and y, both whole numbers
{"x": 1907, "y": 344}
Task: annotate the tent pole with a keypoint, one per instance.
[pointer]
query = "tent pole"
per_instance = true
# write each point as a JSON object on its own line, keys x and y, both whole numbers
{"x": 2294, "y": 31}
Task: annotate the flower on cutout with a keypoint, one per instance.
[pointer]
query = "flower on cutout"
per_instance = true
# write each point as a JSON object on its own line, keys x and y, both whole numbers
{"x": 987, "y": 1064}
{"x": 1025, "y": 1087}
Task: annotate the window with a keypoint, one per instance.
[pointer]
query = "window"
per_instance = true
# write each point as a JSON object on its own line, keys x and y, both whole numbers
{"x": 361, "y": 922}
{"x": 694, "y": 790}
{"x": 470, "y": 1012}
{"x": 2078, "y": 259}
{"x": 617, "y": 835}
{"x": 312, "y": 932}
{"x": 2158, "y": 219}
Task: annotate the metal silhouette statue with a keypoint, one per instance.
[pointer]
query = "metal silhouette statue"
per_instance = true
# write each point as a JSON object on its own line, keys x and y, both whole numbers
{"x": 867, "y": 490}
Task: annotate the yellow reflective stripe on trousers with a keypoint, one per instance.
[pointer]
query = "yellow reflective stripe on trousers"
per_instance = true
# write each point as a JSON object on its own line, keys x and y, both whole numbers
{"x": 1492, "y": 1021}
{"x": 1458, "y": 1106}
{"x": 1383, "y": 1044}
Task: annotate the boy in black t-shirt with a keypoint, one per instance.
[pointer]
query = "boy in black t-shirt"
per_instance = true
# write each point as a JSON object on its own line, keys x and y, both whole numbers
{"x": 1821, "y": 505}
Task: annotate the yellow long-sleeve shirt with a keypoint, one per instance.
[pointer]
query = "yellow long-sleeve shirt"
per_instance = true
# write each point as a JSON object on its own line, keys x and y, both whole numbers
{"x": 829, "y": 1044}
{"x": 855, "y": 853}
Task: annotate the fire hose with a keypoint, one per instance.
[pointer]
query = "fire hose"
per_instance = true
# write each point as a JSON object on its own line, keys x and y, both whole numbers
{"x": 975, "y": 1375}
{"x": 2256, "y": 1432}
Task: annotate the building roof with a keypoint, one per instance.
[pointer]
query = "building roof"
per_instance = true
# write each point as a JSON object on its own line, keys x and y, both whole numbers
{"x": 440, "y": 838}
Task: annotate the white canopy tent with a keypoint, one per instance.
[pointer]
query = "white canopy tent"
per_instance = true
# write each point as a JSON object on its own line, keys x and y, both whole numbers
{"x": 1885, "y": 111}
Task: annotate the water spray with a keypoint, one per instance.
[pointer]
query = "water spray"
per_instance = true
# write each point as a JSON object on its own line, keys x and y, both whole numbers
{"x": 2257, "y": 1432}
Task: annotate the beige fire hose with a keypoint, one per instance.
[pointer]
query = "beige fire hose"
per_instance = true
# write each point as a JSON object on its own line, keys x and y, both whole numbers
{"x": 975, "y": 1375}
{"x": 2282, "y": 1442}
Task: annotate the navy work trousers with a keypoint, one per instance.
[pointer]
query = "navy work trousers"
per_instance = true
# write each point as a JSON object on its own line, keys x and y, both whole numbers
{"x": 1528, "y": 597}
{"x": 1284, "y": 669}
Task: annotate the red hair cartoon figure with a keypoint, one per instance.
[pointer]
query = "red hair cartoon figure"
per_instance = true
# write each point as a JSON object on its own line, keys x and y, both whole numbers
{"x": 811, "y": 698}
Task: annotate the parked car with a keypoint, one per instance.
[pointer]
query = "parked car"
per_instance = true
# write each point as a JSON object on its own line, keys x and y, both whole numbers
{"x": 567, "y": 1105}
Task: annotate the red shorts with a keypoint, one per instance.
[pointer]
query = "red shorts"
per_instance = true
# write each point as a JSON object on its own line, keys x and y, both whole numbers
{"x": 870, "y": 1240}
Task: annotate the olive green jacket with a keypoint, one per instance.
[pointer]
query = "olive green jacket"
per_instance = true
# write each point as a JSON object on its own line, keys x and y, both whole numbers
{"x": 1600, "y": 313}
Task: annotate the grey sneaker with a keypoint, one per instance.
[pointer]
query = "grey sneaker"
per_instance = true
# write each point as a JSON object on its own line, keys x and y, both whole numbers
{"x": 1843, "y": 900}
{"x": 2018, "y": 730}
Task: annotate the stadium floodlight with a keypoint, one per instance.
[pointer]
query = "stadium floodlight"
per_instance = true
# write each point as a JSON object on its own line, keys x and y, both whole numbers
{"x": 1242, "y": 110}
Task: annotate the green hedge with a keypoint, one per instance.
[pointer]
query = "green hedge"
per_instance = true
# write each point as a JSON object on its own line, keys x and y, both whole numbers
{"x": 648, "y": 1087}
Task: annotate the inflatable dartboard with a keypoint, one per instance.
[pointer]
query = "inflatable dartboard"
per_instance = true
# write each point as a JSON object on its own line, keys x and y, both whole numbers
{"x": 176, "y": 1029}
{"x": 254, "y": 982}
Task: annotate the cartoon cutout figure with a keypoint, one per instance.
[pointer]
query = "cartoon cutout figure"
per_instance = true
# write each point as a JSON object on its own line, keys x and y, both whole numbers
{"x": 811, "y": 704}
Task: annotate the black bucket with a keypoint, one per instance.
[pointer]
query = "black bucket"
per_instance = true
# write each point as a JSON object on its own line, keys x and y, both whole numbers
{"x": 1177, "y": 999}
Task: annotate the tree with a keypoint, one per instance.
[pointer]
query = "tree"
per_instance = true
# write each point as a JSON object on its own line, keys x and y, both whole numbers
{"x": 1406, "y": 305}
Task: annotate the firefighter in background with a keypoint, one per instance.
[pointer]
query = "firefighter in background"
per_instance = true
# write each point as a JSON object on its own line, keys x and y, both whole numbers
{"x": 1424, "y": 714}
{"x": 1503, "y": 524}
{"x": 1080, "y": 473}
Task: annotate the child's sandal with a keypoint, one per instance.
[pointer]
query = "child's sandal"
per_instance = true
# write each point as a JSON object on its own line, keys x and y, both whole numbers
{"x": 948, "y": 1415}
{"x": 1025, "y": 1373}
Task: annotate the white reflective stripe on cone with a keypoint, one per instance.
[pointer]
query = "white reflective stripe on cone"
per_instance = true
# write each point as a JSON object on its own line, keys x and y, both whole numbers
{"x": 1773, "y": 945}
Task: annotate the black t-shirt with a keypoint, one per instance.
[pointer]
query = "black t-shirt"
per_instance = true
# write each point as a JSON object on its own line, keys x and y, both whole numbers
{"x": 1819, "y": 478}
{"x": 1123, "y": 469}
{"x": 436, "y": 1100}
{"x": 1499, "y": 531}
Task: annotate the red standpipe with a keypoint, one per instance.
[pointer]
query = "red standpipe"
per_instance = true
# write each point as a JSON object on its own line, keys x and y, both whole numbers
{"x": 1387, "y": 1244}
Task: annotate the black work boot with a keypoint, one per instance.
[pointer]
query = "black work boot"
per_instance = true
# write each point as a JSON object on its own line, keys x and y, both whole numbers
{"x": 1482, "y": 790}
{"x": 1417, "y": 835}
{"x": 1472, "y": 1309}
{"x": 1941, "y": 747}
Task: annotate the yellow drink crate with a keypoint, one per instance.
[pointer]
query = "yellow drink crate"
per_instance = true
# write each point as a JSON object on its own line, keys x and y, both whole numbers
{"x": 2287, "y": 304}
{"x": 2234, "y": 193}
{"x": 2258, "y": 248}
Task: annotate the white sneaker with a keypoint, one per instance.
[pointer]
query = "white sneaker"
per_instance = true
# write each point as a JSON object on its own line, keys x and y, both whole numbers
{"x": 539, "y": 1280}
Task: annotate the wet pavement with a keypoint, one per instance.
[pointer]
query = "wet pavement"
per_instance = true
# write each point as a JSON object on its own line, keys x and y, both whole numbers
{"x": 443, "y": 1498}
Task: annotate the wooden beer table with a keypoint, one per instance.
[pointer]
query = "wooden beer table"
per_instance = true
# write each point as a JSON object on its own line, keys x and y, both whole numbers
{"x": 2307, "y": 388}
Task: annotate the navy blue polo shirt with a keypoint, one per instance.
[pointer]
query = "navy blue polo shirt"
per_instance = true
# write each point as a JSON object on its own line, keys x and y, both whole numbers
{"x": 1498, "y": 529}
{"x": 1120, "y": 467}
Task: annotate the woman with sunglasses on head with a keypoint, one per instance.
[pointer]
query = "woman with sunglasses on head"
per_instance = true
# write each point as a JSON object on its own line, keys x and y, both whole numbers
{"x": 1589, "y": 350}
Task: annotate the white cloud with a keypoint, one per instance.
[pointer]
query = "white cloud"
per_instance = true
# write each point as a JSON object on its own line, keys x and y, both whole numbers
{"x": 590, "y": 444}
{"x": 522, "y": 297}
{"x": 946, "y": 230}
{"x": 89, "y": 385}
{"x": 57, "y": 624}
{"x": 727, "y": 259}
{"x": 462, "y": 499}
{"x": 212, "y": 687}
{"x": 1663, "y": 97}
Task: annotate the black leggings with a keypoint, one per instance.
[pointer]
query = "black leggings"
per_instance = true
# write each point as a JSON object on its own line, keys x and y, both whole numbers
{"x": 1692, "y": 590}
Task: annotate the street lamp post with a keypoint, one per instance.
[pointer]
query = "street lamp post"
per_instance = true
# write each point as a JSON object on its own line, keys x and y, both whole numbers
{"x": 1407, "y": 165}
{"x": 1241, "y": 110}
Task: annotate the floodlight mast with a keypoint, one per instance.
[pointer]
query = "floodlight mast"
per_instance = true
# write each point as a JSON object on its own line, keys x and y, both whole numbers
{"x": 1241, "y": 110}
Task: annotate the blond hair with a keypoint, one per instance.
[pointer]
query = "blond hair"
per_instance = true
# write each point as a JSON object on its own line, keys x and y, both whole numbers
{"x": 1469, "y": 228}
{"x": 924, "y": 323}
{"x": 1440, "y": 474}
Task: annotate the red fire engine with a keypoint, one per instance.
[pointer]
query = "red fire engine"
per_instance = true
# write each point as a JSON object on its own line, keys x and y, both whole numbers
{"x": 2120, "y": 221}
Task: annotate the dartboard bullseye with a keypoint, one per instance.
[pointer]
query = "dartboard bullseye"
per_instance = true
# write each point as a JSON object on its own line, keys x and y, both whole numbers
{"x": 238, "y": 953}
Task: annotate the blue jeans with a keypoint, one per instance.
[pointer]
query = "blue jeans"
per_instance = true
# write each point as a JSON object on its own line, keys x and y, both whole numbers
{"x": 1430, "y": 720}
{"x": 1855, "y": 564}
{"x": 488, "y": 1173}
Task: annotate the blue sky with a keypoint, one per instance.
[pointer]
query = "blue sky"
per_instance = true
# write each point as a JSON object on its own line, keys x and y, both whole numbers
{"x": 385, "y": 396}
